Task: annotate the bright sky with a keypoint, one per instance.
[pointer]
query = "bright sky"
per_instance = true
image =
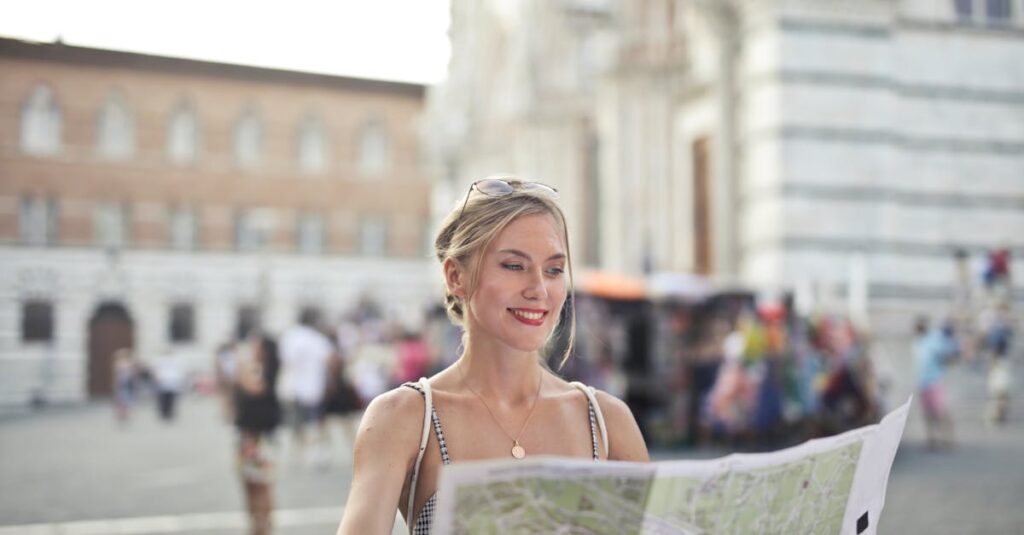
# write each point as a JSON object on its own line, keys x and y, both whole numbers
{"x": 402, "y": 40}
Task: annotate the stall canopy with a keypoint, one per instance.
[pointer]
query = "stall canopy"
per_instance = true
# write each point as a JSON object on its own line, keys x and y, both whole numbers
{"x": 679, "y": 286}
{"x": 610, "y": 285}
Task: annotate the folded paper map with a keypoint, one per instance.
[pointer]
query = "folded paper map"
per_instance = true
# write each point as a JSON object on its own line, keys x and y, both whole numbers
{"x": 833, "y": 485}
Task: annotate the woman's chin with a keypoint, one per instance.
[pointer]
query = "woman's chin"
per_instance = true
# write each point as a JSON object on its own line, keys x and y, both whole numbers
{"x": 526, "y": 345}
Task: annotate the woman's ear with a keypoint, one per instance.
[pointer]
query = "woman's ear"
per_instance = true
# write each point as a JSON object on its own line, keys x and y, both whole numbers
{"x": 454, "y": 278}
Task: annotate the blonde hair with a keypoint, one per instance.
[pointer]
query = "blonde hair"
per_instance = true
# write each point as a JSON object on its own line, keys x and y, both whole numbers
{"x": 467, "y": 232}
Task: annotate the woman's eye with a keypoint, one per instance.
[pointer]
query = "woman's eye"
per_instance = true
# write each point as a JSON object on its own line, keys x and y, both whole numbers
{"x": 556, "y": 271}
{"x": 512, "y": 267}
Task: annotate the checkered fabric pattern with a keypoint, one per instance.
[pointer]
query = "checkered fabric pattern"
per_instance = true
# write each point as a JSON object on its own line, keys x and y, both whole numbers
{"x": 593, "y": 428}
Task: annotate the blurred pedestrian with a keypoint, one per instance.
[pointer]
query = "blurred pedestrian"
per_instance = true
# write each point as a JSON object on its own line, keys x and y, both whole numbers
{"x": 730, "y": 402}
{"x": 963, "y": 307}
{"x": 704, "y": 370}
{"x": 934, "y": 349}
{"x": 443, "y": 340}
{"x": 1000, "y": 379}
{"x": 169, "y": 380}
{"x": 342, "y": 403}
{"x": 257, "y": 415}
{"x": 997, "y": 271}
{"x": 413, "y": 358}
{"x": 848, "y": 399}
{"x": 126, "y": 383}
{"x": 372, "y": 366}
{"x": 768, "y": 413}
{"x": 224, "y": 371}
{"x": 304, "y": 355}
{"x": 347, "y": 337}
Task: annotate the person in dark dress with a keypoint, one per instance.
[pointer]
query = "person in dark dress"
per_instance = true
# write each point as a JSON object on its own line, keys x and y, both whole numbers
{"x": 342, "y": 401}
{"x": 257, "y": 415}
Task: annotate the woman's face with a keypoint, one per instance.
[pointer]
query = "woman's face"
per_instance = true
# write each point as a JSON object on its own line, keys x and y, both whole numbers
{"x": 522, "y": 284}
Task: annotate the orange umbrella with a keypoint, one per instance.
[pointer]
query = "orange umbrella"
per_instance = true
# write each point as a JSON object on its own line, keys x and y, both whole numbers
{"x": 612, "y": 285}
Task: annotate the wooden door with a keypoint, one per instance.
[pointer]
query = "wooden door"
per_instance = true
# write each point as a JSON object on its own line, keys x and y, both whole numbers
{"x": 110, "y": 329}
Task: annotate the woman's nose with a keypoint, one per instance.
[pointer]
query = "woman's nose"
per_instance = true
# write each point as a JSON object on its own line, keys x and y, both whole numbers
{"x": 536, "y": 289}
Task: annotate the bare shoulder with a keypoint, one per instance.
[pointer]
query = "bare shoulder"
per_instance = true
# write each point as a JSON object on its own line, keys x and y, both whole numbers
{"x": 611, "y": 406}
{"x": 401, "y": 397}
{"x": 392, "y": 423}
{"x": 625, "y": 443}
{"x": 616, "y": 412}
{"x": 400, "y": 408}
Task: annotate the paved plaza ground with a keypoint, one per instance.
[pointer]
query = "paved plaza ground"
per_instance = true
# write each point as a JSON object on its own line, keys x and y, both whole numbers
{"x": 73, "y": 470}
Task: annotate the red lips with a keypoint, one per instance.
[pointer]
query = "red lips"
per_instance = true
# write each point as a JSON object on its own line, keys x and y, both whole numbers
{"x": 529, "y": 316}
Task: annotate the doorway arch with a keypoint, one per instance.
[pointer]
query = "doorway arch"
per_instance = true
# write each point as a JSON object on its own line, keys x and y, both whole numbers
{"x": 110, "y": 328}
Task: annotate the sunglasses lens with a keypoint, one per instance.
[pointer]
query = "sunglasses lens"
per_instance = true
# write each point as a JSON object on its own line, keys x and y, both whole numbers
{"x": 494, "y": 187}
{"x": 543, "y": 188}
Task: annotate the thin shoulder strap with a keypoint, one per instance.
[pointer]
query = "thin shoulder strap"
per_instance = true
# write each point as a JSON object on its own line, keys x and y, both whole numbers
{"x": 589, "y": 392}
{"x": 428, "y": 409}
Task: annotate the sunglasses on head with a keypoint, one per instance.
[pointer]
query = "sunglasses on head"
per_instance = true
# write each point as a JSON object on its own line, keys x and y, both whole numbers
{"x": 500, "y": 187}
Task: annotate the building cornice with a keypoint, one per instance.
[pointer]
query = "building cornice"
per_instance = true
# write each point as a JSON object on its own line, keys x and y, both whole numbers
{"x": 75, "y": 55}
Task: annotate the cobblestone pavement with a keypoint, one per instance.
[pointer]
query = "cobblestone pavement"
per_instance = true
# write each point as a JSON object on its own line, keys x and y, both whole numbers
{"x": 73, "y": 470}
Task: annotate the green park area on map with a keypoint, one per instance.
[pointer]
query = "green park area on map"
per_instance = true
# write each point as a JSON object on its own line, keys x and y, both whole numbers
{"x": 806, "y": 495}
{"x": 599, "y": 505}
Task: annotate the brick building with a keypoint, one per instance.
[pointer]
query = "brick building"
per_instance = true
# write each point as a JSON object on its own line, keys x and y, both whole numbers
{"x": 165, "y": 204}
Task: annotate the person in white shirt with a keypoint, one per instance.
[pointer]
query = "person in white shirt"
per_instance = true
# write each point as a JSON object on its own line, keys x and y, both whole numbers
{"x": 304, "y": 357}
{"x": 170, "y": 379}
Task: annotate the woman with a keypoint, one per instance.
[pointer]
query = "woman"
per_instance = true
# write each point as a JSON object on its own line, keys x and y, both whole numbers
{"x": 125, "y": 384}
{"x": 505, "y": 257}
{"x": 257, "y": 415}
{"x": 341, "y": 400}
{"x": 933, "y": 351}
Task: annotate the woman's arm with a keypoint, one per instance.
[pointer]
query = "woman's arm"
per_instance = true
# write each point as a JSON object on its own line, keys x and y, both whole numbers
{"x": 385, "y": 449}
{"x": 625, "y": 443}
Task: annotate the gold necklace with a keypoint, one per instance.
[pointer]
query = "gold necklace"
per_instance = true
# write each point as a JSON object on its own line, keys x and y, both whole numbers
{"x": 517, "y": 451}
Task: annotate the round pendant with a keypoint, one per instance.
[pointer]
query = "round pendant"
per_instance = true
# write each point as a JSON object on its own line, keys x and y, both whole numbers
{"x": 518, "y": 452}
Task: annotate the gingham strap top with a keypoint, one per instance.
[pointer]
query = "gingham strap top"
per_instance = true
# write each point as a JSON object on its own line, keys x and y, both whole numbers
{"x": 423, "y": 522}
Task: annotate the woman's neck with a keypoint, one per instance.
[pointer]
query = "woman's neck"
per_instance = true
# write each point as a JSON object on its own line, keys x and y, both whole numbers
{"x": 499, "y": 372}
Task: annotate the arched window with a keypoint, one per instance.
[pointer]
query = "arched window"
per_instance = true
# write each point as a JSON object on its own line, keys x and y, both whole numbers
{"x": 115, "y": 129}
{"x": 38, "y": 220}
{"x": 112, "y": 225}
{"x": 311, "y": 233}
{"x": 246, "y": 319}
{"x": 254, "y": 228}
{"x": 183, "y": 135}
{"x": 37, "y": 321}
{"x": 373, "y": 235}
{"x": 41, "y": 123}
{"x": 182, "y": 327}
{"x": 374, "y": 148}
{"x": 247, "y": 235}
{"x": 248, "y": 140}
{"x": 312, "y": 145}
{"x": 184, "y": 228}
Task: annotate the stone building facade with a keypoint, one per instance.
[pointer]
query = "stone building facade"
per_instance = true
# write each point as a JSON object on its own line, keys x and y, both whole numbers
{"x": 839, "y": 147}
{"x": 166, "y": 204}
